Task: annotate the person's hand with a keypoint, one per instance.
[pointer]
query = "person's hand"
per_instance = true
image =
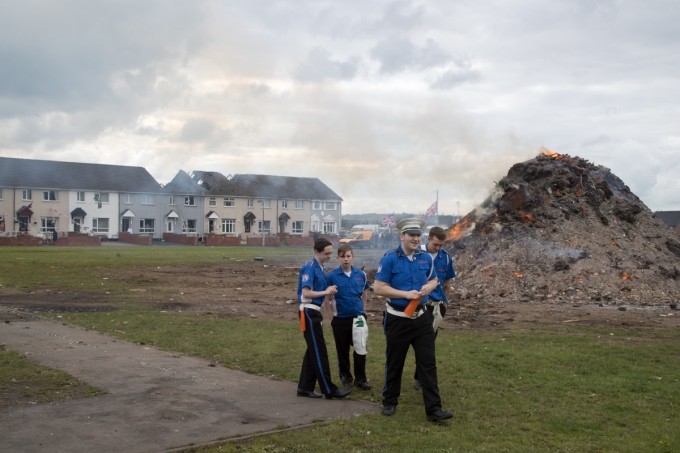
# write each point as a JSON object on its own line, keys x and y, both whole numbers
{"x": 331, "y": 290}
{"x": 413, "y": 294}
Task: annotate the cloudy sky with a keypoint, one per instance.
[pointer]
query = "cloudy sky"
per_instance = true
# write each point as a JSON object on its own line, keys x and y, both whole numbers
{"x": 390, "y": 103}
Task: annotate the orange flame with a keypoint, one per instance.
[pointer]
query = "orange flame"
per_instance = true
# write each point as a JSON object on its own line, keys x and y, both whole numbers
{"x": 625, "y": 276}
{"x": 549, "y": 153}
{"x": 526, "y": 217}
{"x": 460, "y": 229}
{"x": 517, "y": 274}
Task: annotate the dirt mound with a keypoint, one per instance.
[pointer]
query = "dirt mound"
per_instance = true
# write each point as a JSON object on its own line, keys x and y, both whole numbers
{"x": 559, "y": 228}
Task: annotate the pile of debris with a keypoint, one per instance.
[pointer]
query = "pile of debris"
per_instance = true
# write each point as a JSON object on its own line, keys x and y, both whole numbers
{"x": 561, "y": 229}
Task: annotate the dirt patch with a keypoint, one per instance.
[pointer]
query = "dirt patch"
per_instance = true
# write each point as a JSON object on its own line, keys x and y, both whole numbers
{"x": 268, "y": 291}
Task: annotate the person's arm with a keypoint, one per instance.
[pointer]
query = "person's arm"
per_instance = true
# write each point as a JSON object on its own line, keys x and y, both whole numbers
{"x": 381, "y": 288}
{"x": 309, "y": 294}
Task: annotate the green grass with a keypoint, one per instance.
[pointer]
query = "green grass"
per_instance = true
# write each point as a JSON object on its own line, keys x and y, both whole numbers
{"x": 24, "y": 382}
{"x": 556, "y": 389}
{"x": 91, "y": 268}
{"x": 568, "y": 390}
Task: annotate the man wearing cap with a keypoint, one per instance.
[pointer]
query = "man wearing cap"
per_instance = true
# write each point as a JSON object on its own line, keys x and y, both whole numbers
{"x": 443, "y": 268}
{"x": 406, "y": 276}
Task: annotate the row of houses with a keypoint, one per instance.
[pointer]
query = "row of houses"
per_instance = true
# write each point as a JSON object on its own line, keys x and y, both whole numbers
{"x": 40, "y": 197}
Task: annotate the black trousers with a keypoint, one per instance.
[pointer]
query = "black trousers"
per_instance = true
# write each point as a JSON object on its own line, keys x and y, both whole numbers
{"x": 400, "y": 334}
{"x": 430, "y": 308}
{"x": 315, "y": 362}
{"x": 342, "y": 332}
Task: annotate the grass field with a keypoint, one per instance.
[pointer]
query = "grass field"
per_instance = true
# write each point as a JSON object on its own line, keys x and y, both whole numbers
{"x": 564, "y": 388}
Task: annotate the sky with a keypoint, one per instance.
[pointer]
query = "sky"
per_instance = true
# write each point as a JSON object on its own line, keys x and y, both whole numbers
{"x": 392, "y": 104}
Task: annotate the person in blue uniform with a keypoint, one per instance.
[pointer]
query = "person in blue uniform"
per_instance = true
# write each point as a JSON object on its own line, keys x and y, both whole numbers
{"x": 350, "y": 327}
{"x": 437, "y": 301}
{"x": 406, "y": 276}
{"x": 313, "y": 288}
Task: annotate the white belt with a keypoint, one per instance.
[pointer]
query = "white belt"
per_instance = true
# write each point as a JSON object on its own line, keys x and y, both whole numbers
{"x": 312, "y": 306}
{"x": 432, "y": 302}
{"x": 401, "y": 314}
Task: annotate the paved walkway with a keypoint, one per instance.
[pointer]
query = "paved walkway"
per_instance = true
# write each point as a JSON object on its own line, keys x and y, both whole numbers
{"x": 157, "y": 401}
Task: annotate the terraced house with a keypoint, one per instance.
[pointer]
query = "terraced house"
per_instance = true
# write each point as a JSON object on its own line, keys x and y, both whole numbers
{"x": 39, "y": 197}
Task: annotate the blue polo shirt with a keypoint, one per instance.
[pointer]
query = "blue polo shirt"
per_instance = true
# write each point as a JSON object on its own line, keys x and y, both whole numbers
{"x": 312, "y": 277}
{"x": 404, "y": 274}
{"x": 444, "y": 270}
{"x": 348, "y": 301}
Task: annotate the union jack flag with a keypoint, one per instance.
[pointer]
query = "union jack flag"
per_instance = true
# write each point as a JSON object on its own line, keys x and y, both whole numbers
{"x": 432, "y": 210}
{"x": 389, "y": 221}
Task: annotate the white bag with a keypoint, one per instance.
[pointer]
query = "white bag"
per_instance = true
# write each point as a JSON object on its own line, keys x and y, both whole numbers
{"x": 360, "y": 334}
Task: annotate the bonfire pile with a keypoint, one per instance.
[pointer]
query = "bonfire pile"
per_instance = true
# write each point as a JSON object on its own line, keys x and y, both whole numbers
{"x": 561, "y": 229}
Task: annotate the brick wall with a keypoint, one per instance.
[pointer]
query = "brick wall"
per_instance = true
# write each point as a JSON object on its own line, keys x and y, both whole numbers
{"x": 180, "y": 238}
{"x": 135, "y": 239}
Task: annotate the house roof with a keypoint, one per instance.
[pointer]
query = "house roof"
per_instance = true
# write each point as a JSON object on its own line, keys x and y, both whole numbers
{"x": 184, "y": 184}
{"x": 47, "y": 174}
{"x": 265, "y": 186}
{"x": 670, "y": 218}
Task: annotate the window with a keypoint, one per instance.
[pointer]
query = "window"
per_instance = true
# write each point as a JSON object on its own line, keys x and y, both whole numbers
{"x": 299, "y": 204}
{"x": 229, "y": 226}
{"x": 298, "y": 227}
{"x": 102, "y": 197}
{"x": 189, "y": 226}
{"x": 48, "y": 224}
{"x": 50, "y": 195}
{"x": 249, "y": 203}
{"x": 100, "y": 225}
{"x": 316, "y": 205}
{"x": 329, "y": 227}
{"x": 284, "y": 204}
{"x": 228, "y": 202}
{"x": 80, "y": 196}
{"x": 172, "y": 200}
{"x": 189, "y": 200}
{"x": 147, "y": 198}
{"x": 264, "y": 226}
{"x": 127, "y": 198}
{"x": 212, "y": 201}
{"x": 266, "y": 203}
{"x": 330, "y": 205}
{"x": 146, "y": 225}
{"x": 26, "y": 194}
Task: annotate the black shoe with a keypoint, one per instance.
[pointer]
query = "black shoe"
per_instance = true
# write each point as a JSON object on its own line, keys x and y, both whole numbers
{"x": 339, "y": 393}
{"x": 308, "y": 394}
{"x": 417, "y": 386}
{"x": 439, "y": 415}
{"x": 388, "y": 410}
{"x": 363, "y": 385}
{"x": 346, "y": 381}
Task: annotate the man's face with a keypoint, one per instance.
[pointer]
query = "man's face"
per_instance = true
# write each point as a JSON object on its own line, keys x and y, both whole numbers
{"x": 326, "y": 254}
{"x": 409, "y": 242}
{"x": 434, "y": 244}
{"x": 346, "y": 259}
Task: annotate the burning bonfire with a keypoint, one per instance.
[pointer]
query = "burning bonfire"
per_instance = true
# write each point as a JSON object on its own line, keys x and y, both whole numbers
{"x": 561, "y": 229}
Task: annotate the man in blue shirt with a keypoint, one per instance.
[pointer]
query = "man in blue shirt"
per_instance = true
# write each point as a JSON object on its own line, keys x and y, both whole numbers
{"x": 406, "y": 276}
{"x": 312, "y": 290}
{"x": 349, "y": 323}
{"x": 443, "y": 268}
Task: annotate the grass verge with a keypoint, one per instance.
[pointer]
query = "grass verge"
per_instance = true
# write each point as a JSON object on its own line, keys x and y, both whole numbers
{"x": 24, "y": 382}
{"x": 563, "y": 389}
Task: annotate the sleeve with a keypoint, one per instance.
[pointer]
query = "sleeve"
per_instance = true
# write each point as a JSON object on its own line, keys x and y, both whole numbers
{"x": 385, "y": 268}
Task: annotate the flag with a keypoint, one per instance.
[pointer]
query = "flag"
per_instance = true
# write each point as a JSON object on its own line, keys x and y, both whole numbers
{"x": 432, "y": 210}
{"x": 388, "y": 221}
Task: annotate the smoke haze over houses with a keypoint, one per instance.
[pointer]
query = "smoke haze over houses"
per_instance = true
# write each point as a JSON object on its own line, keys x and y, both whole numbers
{"x": 387, "y": 102}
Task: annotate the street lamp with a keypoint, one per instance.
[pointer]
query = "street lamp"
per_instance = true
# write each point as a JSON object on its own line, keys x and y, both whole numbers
{"x": 262, "y": 222}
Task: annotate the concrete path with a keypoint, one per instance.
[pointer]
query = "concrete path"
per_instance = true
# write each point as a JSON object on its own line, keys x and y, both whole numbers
{"x": 157, "y": 401}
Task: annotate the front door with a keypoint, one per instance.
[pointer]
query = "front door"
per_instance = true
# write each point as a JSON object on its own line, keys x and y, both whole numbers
{"x": 23, "y": 223}
{"x": 77, "y": 221}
